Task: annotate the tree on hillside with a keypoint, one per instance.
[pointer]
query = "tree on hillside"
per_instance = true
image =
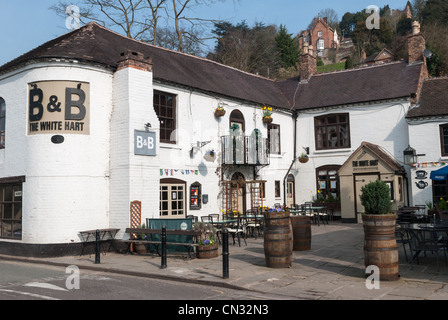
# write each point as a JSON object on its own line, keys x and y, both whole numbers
{"x": 435, "y": 11}
{"x": 250, "y": 49}
{"x": 288, "y": 49}
{"x": 433, "y": 15}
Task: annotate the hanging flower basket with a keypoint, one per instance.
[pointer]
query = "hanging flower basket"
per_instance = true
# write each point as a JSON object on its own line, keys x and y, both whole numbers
{"x": 220, "y": 112}
{"x": 267, "y": 120}
{"x": 304, "y": 158}
{"x": 210, "y": 156}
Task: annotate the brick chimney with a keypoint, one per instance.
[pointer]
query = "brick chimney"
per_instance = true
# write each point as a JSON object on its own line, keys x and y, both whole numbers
{"x": 308, "y": 63}
{"x": 136, "y": 60}
{"x": 416, "y": 45}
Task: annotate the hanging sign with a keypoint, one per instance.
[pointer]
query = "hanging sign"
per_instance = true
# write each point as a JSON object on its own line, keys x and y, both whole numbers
{"x": 145, "y": 143}
{"x": 57, "y": 107}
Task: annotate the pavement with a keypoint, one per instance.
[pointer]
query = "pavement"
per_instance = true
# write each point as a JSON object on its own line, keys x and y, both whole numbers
{"x": 332, "y": 270}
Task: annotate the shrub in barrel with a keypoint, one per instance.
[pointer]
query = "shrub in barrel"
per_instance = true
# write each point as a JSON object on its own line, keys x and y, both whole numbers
{"x": 380, "y": 245}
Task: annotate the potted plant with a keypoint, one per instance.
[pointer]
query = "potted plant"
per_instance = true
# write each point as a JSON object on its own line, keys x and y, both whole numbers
{"x": 303, "y": 158}
{"x": 207, "y": 246}
{"x": 380, "y": 245}
{"x": 267, "y": 114}
{"x": 210, "y": 156}
{"x": 220, "y": 111}
{"x": 431, "y": 209}
{"x": 141, "y": 248}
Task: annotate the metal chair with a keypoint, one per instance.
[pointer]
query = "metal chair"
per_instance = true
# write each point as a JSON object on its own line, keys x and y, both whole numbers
{"x": 424, "y": 241}
{"x": 239, "y": 229}
{"x": 253, "y": 225}
{"x": 402, "y": 236}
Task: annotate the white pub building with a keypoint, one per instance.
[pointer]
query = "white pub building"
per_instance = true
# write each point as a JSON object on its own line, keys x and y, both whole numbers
{"x": 93, "y": 123}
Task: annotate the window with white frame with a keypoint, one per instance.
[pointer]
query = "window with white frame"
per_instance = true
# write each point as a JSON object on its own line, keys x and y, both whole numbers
{"x": 274, "y": 139}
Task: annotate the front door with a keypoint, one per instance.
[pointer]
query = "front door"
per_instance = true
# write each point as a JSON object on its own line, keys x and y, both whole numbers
{"x": 360, "y": 181}
{"x": 238, "y": 191}
{"x": 172, "y": 200}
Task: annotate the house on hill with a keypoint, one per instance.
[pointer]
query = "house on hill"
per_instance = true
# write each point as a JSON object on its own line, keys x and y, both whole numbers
{"x": 321, "y": 36}
{"x": 93, "y": 122}
{"x": 384, "y": 56}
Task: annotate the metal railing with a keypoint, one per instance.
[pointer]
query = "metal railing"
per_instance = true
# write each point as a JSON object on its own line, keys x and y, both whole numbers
{"x": 244, "y": 150}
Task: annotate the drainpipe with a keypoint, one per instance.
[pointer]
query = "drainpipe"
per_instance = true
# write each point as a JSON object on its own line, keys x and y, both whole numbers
{"x": 294, "y": 115}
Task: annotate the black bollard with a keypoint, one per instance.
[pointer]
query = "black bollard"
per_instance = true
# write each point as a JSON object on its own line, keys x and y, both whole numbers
{"x": 164, "y": 266}
{"x": 97, "y": 247}
{"x": 225, "y": 254}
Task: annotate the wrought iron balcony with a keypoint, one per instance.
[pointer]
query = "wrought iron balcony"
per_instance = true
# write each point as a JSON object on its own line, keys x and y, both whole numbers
{"x": 244, "y": 150}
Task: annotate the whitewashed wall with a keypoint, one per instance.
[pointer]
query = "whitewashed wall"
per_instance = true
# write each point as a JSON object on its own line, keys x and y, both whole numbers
{"x": 424, "y": 137}
{"x": 66, "y": 188}
{"x": 383, "y": 124}
{"x": 196, "y": 122}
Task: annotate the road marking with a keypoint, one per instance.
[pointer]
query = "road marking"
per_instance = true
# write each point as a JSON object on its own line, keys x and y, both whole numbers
{"x": 29, "y": 294}
{"x": 44, "y": 286}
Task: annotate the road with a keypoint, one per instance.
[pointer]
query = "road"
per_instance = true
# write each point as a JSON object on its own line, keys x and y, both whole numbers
{"x": 23, "y": 281}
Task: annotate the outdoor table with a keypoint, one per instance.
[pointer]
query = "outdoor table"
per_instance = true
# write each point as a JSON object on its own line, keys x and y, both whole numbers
{"x": 89, "y": 236}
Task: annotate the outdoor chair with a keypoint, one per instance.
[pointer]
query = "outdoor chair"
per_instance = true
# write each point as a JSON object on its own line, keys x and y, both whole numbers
{"x": 238, "y": 230}
{"x": 192, "y": 217}
{"x": 214, "y": 217}
{"x": 206, "y": 219}
{"x": 307, "y": 211}
{"x": 323, "y": 215}
{"x": 402, "y": 236}
{"x": 253, "y": 225}
{"x": 424, "y": 241}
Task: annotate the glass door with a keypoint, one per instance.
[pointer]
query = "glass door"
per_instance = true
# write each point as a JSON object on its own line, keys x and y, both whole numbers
{"x": 172, "y": 200}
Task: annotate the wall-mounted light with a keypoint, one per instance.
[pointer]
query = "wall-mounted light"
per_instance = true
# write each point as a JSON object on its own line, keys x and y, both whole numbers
{"x": 307, "y": 150}
{"x": 147, "y": 126}
{"x": 196, "y": 147}
{"x": 410, "y": 156}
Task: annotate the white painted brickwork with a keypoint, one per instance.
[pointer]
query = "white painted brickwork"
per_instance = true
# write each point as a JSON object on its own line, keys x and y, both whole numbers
{"x": 89, "y": 181}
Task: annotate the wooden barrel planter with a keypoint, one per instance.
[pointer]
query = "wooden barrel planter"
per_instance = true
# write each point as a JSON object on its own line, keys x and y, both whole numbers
{"x": 278, "y": 240}
{"x": 207, "y": 252}
{"x": 380, "y": 245}
{"x": 301, "y": 229}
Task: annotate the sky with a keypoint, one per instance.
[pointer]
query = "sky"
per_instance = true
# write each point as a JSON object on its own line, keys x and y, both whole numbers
{"x": 26, "y": 24}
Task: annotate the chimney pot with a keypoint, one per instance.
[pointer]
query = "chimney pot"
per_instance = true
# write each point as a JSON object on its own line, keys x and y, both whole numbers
{"x": 415, "y": 28}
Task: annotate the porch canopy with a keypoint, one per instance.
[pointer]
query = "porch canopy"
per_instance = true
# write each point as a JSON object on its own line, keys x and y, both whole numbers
{"x": 440, "y": 175}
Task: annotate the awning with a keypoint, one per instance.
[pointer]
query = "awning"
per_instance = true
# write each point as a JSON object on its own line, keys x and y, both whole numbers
{"x": 441, "y": 174}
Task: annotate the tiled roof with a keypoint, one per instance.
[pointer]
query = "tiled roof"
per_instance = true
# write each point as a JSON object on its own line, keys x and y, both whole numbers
{"x": 382, "y": 82}
{"x": 433, "y": 99}
{"x": 94, "y": 43}
{"x": 380, "y": 153}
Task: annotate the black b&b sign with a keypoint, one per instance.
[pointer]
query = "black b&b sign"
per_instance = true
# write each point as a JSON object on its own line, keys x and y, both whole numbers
{"x": 59, "y": 107}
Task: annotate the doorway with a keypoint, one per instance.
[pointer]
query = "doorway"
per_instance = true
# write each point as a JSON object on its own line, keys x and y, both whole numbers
{"x": 238, "y": 192}
{"x": 172, "y": 199}
{"x": 290, "y": 189}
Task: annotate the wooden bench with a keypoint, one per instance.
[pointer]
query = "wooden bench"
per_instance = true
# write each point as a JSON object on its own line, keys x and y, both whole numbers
{"x": 189, "y": 246}
{"x": 89, "y": 236}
